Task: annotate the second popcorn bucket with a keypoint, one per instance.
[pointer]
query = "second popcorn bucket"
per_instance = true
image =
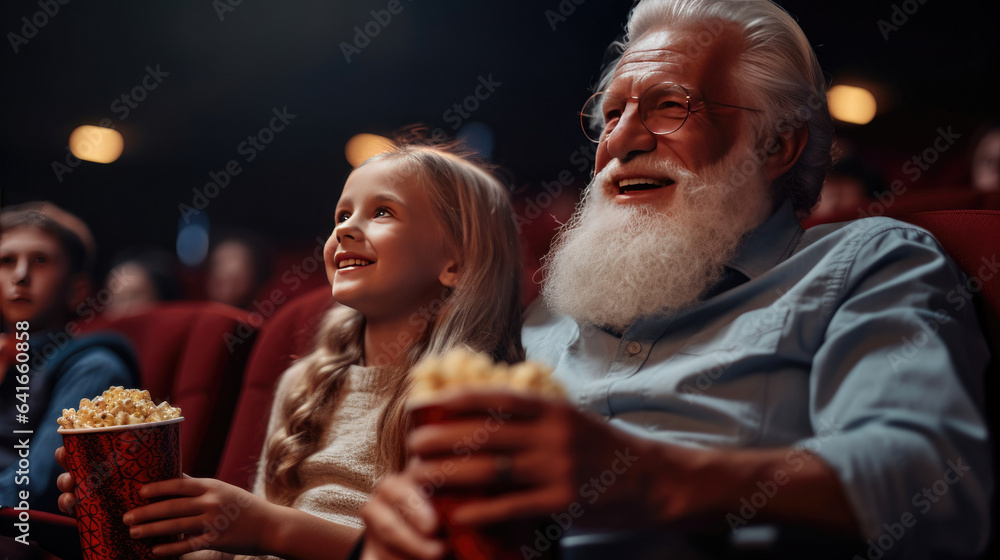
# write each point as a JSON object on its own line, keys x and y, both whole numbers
{"x": 434, "y": 377}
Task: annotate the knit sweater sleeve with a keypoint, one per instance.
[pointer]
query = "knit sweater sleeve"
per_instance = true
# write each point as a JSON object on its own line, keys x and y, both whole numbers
{"x": 287, "y": 383}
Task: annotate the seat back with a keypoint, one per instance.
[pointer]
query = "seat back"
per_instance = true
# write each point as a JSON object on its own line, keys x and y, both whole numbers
{"x": 51, "y": 536}
{"x": 914, "y": 202}
{"x": 286, "y": 336}
{"x": 193, "y": 355}
{"x": 972, "y": 239}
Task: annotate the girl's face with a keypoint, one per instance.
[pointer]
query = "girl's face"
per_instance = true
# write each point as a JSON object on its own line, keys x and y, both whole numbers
{"x": 387, "y": 257}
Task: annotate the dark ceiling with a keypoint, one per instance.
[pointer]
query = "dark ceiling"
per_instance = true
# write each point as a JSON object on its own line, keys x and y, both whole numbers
{"x": 224, "y": 69}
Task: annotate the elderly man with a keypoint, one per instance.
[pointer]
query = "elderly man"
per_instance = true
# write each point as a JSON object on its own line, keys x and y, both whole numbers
{"x": 725, "y": 369}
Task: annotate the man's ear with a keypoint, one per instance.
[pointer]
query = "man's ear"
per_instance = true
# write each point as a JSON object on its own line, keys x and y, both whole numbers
{"x": 77, "y": 290}
{"x": 784, "y": 150}
{"x": 450, "y": 275}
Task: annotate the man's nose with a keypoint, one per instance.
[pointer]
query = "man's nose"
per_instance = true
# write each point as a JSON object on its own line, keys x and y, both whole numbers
{"x": 630, "y": 137}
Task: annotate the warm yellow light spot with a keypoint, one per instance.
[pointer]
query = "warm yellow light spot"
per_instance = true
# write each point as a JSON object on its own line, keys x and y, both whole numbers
{"x": 851, "y": 104}
{"x": 363, "y": 146}
{"x": 96, "y": 143}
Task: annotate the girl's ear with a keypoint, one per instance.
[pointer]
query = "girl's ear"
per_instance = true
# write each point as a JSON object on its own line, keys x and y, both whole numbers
{"x": 450, "y": 275}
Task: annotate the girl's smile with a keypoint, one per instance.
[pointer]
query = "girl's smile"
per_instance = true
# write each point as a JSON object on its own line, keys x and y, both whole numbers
{"x": 388, "y": 255}
{"x": 346, "y": 259}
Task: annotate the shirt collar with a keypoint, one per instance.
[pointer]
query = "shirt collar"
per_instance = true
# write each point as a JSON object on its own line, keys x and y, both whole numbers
{"x": 770, "y": 243}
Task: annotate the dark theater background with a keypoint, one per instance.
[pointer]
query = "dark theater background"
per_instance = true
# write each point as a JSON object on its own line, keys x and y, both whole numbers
{"x": 237, "y": 113}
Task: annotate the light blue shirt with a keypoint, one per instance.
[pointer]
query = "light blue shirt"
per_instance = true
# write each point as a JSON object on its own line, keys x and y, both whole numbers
{"x": 857, "y": 341}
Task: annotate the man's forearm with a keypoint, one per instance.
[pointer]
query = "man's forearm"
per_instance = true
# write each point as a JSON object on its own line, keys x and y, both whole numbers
{"x": 711, "y": 488}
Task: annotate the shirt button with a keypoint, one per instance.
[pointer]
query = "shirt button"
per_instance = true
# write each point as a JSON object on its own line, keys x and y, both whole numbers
{"x": 633, "y": 348}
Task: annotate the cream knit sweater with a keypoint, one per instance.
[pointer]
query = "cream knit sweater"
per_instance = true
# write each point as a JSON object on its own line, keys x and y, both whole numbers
{"x": 340, "y": 477}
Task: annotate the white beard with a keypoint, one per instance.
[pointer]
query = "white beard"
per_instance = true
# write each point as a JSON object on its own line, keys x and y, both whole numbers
{"x": 613, "y": 263}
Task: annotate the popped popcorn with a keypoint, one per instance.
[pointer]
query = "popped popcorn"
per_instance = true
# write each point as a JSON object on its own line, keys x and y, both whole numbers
{"x": 462, "y": 368}
{"x": 117, "y": 407}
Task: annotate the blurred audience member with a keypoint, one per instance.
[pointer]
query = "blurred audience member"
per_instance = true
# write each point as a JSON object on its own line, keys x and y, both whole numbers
{"x": 140, "y": 279}
{"x": 848, "y": 186}
{"x": 46, "y": 256}
{"x": 986, "y": 158}
{"x": 239, "y": 264}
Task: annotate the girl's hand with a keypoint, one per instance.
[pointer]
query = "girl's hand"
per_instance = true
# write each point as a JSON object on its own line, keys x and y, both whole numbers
{"x": 401, "y": 523}
{"x": 208, "y": 512}
{"x": 208, "y": 555}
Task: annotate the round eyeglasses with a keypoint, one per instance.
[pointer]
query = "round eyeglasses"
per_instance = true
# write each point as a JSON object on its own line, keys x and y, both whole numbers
{"x": 663, "y": 109}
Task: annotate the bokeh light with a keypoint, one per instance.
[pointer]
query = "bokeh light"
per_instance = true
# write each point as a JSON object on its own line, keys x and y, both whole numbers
{"x": 96, "y": 144}
{"x": 851, "y": 104}
{"x": 192, "y": 244}
{"x": 477, "y": 136}
{"x": 363, "y": 146}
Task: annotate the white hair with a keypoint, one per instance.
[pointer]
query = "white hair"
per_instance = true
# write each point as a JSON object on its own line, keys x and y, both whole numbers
{"x": 778, "y": 67}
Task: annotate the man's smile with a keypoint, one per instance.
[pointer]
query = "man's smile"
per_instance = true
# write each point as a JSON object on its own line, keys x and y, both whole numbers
{"x": 642, "y": 184}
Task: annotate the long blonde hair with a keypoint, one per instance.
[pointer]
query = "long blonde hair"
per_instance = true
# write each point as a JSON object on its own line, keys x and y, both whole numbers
{"x": 482, "y": 312}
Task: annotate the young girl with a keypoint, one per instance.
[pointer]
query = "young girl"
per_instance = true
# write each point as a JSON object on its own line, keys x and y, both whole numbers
{"x": 424, "y": 258}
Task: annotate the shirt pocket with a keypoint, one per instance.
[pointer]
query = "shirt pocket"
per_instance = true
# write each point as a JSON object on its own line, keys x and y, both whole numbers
{"x": 753, "y": 333}
{"x": 713, "y": 389}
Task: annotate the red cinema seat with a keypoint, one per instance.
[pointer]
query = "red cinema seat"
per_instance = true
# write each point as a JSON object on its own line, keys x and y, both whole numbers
{"x": 193, "y": 355}
{"x": 972, "y": 239}
{"x": 50, "y": 536}
{"x": 287, "y": 335}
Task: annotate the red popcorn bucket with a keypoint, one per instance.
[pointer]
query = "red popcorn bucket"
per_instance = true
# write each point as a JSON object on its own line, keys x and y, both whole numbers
{"x": 499, "y": 541}
{"x": 109, "y": 466}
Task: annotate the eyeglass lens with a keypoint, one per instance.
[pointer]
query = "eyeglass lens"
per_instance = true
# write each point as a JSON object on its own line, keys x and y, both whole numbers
{"x": 663, "y": 109}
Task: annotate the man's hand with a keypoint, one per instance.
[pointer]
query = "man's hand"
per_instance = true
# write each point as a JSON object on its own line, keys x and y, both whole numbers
{"x": 537, "y": 457}
{"x": 550, "y": 459}
{"x": 401, "y": 522}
